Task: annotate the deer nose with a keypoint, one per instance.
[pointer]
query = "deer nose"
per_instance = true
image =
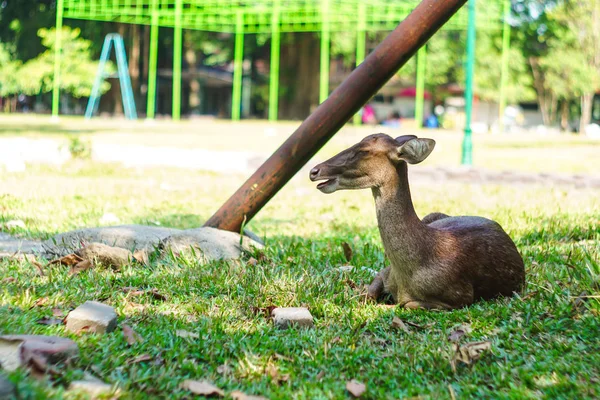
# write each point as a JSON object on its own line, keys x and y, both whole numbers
{"x": 314, "y": 173}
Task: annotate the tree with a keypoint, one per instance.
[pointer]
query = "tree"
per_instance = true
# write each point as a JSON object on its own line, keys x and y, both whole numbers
{"x": 9, "y": 68}
{"x": 78, "y": 69}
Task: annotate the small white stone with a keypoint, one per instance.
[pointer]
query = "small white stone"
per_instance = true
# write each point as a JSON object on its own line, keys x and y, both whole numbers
{"x": 92, "y": 316}
{"x": 286, "y": 317}
{"x": 93, "y": 388}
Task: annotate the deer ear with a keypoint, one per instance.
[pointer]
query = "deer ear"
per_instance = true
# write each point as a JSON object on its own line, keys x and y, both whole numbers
{"x": 416, "y": 150}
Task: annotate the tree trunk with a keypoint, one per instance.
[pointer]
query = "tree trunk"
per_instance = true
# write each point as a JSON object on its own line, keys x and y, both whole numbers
{"x": 564, "y": 116}
{"x": 299, "y": 78}
{"x": 586, "y": 111}
{"x": 553, "y": 108}
{"x": 539, "y": 85}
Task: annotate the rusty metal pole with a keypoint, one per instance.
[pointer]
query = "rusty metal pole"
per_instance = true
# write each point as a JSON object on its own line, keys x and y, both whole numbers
{"x": 364, "y": 82}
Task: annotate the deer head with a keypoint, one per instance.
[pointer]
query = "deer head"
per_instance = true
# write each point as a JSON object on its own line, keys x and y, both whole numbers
{"x": 370, "y": 163}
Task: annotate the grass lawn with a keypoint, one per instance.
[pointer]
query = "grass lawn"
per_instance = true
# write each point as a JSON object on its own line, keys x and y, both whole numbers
{"x": 544, "y": 344}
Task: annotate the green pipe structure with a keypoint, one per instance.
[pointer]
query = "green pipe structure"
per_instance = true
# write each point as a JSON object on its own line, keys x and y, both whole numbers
{"x": 420, "y": 93}
{"x": 176, "y": 113}
{"x": 57, "y": 58}
{"x": 505, "y": 60}
{"x": 325, "y": 43}
{"x": 361, "y": 42}
{"x": 467, "y": 145}
{"x": 238, "y": 64}
{"x": 152, "y": 62}
{"x": 274, "y": 70}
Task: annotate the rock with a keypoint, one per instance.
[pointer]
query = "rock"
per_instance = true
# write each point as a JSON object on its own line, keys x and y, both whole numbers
{"x": 130, "y": 237}
{"x": 99, "y": 253}
{"x": 34, "y": 351}
{"x": 93, "y": 388}
{"x": 92, "y": 316}
{"x": 7, "y": 389}
{"x": 11, "y": 246}
{"x": 213, "y": 244}
{"x": 286, "y": 317}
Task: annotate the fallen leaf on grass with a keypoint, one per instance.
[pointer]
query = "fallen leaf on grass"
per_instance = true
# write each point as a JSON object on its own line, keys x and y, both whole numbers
{"x": 58, "y": 313}
{"x": 49, "y": 321}
{"x": 202, "y": 388}
{"x": 68, "y": 260}
{"x": 131, "y": 337}
{"x": 237, "y": 395}
{"x": 355, "y": 388}
{"x": 427, "y": 326}
{"x": 38, "y": 266}
{"x": 186, "y": 334}
{"x": 139, "y": 359}
{"x": 276, "y": 377}
{"x": 266, "y": 311}
{"x": 141, "y": 256}
{"x": 137, "y": 292}
{"x": 81, "y": 266}
{"x": 397, "y": 323}
{"x": 224, "y": 369}
{"x": 468, "y": 353}
{"x": 10, "y": 279}
{"x": 320, "y": 375}
{"x": 39, "y": 302}
{"x": 157, "y": 295}
{"x": 459, "y": 332}
{"x": 347, "y": 251}
{"x": 252, "y": 261}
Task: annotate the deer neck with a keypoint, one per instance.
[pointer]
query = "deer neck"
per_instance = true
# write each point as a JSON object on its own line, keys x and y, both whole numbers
{"x": 403, "y": 234}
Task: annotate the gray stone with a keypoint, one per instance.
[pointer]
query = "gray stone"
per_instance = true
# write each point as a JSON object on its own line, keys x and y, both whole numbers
{"x": 93, "y": 388}
{"x": 92, "y": 316}
{"x": 130, "y": 237}
{"x": 7, "y": 389}
{"x": 211, "y": 243}
{"x": 10, "y": 246}
{"x": 287, "y": 317}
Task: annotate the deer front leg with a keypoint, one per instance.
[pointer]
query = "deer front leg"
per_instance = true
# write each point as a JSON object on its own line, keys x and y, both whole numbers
{"x": 377, "y": 288}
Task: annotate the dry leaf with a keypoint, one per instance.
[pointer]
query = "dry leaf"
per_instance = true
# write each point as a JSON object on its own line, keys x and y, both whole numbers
{"x": 266, "y": 311}
{"x": 336, "y": 339}
{"x": 131, "y": 337}
{"x": 276, "y": 377}
{"x": 320, "y": 375}
{"x": 38, "y": 266}
{"x": 139, "y": 359}
{"x": 355, "y": 388}
{"x": 186, "y": 334}
{"x": 10, "y": 279}
{"x": 68, "y": 260}
{"x": 347, "y": 251}
{"x": 202, "y": 388}
{"x": 468, "y": 353}
{"x": 154, "y": 293}
{"x": 49, "y": 321}
{"x": 224, "y": 369}
{"x": 459, "y": 332}
{"x": 397, "y": 323}
{"x": 39, "y": 302}
{"x": 252, "y": 261}
{"x": 237, "y": 395}
{"x": 414, "y": 325}
{"x": 80, "y": 266}
{"x": 58, "y": 313}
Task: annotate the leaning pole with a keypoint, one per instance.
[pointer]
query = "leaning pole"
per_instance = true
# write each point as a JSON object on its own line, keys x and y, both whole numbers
{"x": 331, "y": 115}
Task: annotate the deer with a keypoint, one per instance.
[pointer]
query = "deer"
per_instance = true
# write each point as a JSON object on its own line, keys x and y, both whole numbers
{"x": 440, "y": 262}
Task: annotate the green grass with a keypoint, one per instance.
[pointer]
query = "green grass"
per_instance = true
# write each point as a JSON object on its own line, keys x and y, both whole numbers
{"x": 544, "y": 343}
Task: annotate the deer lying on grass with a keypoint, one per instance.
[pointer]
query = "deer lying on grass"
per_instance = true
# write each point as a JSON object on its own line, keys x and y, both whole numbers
{"x": 439, "y": 262}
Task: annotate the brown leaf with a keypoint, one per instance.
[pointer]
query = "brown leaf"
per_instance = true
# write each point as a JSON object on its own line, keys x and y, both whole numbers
{"x": 320, "y": 375}
{"x": 81, "y": 266}
{"x": 459, "y": 332}
{"x": 58, "y": 313}
{"x": 336, "y": 339}
{"x": 351, "y": 283}
{"x": 237, "y": 395}
{"x": 186, "y": 334}
{"x": 38, "y": 266}
{"x": 10, "y": 279}
{"x": 202, "y": 388}
{"x": 347, "y": 251}
{"x": 397, "y": 323}
{"x": 252, "y": 261}
{"x": 468, "y": 353}
{"x": 266, "y": 311}
{"x": 39, "y": 302}
{"x": 414, "y": 325}
{"x": 49, "y": 321}
{"x": 276, "y": 377}
{"x": 139, "y": 359}
{"x": 155, "y": 293}
{"x": 131, "y": 337}
{"x": 68, "y": 260}
{"x": 355, "y": 388}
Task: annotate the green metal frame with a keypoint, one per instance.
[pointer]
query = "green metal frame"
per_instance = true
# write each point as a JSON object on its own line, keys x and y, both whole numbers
{"x": 242, "y": 17}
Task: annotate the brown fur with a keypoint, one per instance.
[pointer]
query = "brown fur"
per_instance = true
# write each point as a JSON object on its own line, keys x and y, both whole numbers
{"x": 440, "y": 262}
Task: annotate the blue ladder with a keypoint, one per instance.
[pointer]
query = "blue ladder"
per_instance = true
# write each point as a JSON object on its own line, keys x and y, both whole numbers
{"x": 123, "y": 74}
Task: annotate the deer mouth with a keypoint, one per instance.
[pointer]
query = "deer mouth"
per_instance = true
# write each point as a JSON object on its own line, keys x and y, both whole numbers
{"x": 328, "y": 186}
